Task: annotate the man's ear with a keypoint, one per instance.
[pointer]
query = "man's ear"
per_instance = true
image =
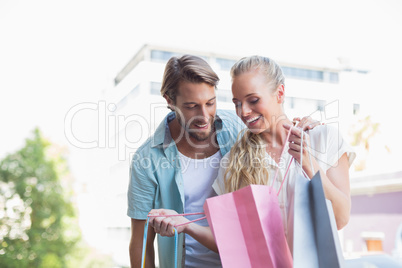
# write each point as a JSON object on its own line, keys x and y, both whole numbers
{"x": 169, "y": 102}
{"x": 281, "y": 93}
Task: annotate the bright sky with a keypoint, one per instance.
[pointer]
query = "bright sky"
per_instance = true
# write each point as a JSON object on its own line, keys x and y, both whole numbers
{"x": 55, "y": 54}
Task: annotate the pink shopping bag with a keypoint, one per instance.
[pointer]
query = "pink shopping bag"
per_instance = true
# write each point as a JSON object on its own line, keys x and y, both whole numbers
{"x": 247, "y": 227}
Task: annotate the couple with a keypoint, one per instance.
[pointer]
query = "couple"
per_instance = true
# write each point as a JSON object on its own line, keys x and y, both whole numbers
{"x": 197, "y": 136}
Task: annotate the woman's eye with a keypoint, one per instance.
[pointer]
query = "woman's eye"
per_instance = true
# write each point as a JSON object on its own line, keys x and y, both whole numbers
{"x": 254, "y": 101}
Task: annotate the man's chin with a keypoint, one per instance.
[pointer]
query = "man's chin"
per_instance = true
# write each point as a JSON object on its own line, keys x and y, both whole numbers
{"x": 198, "y": 137}
{"x": 200, "y": 134}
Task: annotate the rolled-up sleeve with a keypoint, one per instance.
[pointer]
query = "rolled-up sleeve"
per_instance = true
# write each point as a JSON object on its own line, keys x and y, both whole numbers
{"x": 337, "y": 146}
{"x": 141, "y": 190}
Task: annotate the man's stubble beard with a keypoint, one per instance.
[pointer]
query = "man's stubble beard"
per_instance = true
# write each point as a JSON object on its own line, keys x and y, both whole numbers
{"x": 193, "y": 132}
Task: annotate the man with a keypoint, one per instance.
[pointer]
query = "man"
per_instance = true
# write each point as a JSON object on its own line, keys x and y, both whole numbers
{"x": 175, "y": 168}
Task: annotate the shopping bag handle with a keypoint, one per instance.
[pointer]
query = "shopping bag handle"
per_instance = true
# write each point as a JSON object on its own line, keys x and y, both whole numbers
{"x": 301, "y": 156}
{"x": 144, "y": 245}
{"x": 277, "y": 170}
{"x": 176, "y": 235}
{"x": 183, "y": 214}
{"x": 291, "y": 160}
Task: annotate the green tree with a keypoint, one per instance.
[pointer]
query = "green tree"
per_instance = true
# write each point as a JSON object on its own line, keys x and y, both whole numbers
{"x": 38, "y": 226}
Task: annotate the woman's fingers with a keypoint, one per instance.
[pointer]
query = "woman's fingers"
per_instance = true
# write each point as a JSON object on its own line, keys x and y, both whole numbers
{"x": 312, "y": 125}
{"x": 294, "y": 147}
{"x": 293, "y": 130}
{"x": 302, "y": 123}
{"x": 294, "y": 139}
{"x": 307, "y": 123}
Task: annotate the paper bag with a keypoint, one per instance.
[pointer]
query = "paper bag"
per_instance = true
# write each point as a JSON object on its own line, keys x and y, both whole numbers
{"x": 316, "y": 242}
{"x": 248, "y": 229}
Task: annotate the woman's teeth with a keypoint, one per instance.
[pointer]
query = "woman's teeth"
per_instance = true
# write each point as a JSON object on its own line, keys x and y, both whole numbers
{"x": 253, "y": 119}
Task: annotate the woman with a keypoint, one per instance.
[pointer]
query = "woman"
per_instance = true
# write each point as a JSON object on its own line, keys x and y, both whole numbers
{"x": 258, "y": 95}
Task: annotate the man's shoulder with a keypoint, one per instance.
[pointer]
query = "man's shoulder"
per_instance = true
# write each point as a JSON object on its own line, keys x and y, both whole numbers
{"x": 226, "y": 114}
{"x": 230, "y": 119}
{"x": 146, "y": 147}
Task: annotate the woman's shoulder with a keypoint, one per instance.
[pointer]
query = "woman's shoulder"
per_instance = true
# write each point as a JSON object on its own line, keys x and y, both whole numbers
{"x": 324, "y": 136}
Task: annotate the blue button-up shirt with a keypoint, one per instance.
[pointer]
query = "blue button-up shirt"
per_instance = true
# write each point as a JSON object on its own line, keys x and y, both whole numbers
{"x": 156, "y": 180}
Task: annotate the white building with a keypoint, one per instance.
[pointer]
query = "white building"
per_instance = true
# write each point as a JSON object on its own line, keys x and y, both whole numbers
{"x": 321, "y": 91}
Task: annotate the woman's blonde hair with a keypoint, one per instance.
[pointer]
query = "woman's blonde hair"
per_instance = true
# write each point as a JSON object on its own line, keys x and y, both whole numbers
{"x": 247, "y": 161}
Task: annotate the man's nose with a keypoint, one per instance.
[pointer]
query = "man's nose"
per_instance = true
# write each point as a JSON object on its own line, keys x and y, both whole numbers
{"x": 204, "y": 112}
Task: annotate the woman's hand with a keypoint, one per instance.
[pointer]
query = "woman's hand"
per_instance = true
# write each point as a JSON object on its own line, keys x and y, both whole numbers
{"x": 295, "y": 148}
{"x": 164, "y": 225}
{"x": 306, "y": 123}
{"x": 335, "y": 180}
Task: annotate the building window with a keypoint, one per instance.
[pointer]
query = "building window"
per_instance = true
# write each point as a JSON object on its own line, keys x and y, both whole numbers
{"x": 320, "y": 105}
{"x": 161, "y": 56}
{"x": 333, "y": 77}
{"x": 224, "y": 98}
{"x": 356, "y": 108}
{"x": 290, "y": 101}
{"x": 164, "y": 56}
{"x": 303, "y": 105}
{"x": 225, "y": 64}
{"x": 155, "y": 88}
{"x": 224, "y": 95}
{"x": 300, "y": 73}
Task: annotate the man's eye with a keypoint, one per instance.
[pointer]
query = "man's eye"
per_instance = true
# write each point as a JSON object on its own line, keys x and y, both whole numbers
{"x": 210, "y": 103}
{"x": 190, "y": 107}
